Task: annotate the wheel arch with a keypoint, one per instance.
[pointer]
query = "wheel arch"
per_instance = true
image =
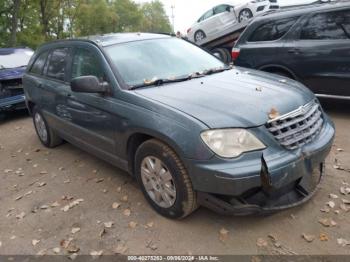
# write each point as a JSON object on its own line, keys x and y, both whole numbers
{"x": 275, "y": 68}
{"x": 137, "y": 138}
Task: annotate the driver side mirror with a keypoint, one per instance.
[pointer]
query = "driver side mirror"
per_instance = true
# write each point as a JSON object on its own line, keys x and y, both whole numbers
{"x": 88, "y": 84}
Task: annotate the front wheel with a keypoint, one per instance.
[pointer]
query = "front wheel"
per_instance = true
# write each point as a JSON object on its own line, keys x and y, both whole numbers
{"x": 199, "y": 36}
{"x": 164, "y": 180}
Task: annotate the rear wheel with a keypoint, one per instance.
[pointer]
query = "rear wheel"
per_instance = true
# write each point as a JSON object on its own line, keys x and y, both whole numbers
{"x": 46, "y": 135}
{"x": 164, "y": 180}
{"x": 245, "y": 15}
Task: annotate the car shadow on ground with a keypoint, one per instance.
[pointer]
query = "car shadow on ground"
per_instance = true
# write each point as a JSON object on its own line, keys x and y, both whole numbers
{"x": 14, "y": 115}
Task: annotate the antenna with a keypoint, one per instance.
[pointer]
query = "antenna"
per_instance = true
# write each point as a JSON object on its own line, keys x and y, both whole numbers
{"x": 173, "y": 17}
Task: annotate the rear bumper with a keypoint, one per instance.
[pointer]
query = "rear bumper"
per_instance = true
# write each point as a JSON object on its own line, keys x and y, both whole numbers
{"x": 12, "y": 103}
{"x": 264, "y": 182}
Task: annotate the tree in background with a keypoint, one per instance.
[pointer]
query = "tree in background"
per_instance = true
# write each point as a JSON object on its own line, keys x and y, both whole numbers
{"x": 32, "y": 22}
{"x": 154, "y": 18}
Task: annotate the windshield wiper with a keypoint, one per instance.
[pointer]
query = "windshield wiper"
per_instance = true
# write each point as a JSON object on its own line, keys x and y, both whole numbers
{"x": 162, "y": 81}
{"x": 158, "y": 82}
{"x": 216, "y": 70}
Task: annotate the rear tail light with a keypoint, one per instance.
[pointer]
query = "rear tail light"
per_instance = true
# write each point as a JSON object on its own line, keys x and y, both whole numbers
{"x": 189, "y": 30}
{"x": 235, "y": 53}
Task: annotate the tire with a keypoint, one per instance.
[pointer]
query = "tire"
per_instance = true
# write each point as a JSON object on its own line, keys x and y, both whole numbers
{"x": 199, "y": 36}
{"x": 170, "y": 174}
{"x": 45, "y": 134}
{"x": 245, "y": 15}
{"x": 224, "y": 54}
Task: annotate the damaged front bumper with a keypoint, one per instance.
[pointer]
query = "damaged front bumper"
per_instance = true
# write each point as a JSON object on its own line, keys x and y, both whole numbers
{"x": 262, "y": 182}
{"x": 12, "y": 103}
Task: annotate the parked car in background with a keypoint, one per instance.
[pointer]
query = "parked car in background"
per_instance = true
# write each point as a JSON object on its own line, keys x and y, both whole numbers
{"x": 191, "y": 129}
{"x": 13, "y": 62}
{"x": 226, "y": 17}
{"x": 311, "y": 45}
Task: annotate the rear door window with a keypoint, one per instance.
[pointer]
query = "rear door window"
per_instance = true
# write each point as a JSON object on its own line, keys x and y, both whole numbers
{"x": 272, "y": 30}
{"x": 221, "y": 9}
{"x": 327, "y": 26}
{"x": 38, "y": 65}
{"x": 57, "y": 65}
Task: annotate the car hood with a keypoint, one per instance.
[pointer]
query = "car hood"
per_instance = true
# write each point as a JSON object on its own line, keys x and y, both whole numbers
{"x": 234, "y": 98}
{"x": 11, "y": 73}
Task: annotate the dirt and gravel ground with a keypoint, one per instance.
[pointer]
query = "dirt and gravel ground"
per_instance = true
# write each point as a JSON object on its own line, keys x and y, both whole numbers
{"x": 65, "y": 200}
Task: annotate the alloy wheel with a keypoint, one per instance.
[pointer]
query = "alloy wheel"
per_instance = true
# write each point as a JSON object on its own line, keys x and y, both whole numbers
{"x": 158, "y": 182}
{"x": 40, "y": 127}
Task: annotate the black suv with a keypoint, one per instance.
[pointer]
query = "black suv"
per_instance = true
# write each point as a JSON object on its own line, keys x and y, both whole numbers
{"x": 311, "y": 45}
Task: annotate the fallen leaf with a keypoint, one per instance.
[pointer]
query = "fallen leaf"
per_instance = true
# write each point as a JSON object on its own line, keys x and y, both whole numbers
{"x": 334, "y": 196}
{"x": 261, "y": 242}
{"x": 327, "y": 222}
{"x": 13, "y": 237}
{"x": 65, "y": 243}
{"x": 99, "y": 180}
{"x": 44, "y": 207}
{"x": 274, "y": 113}
{"x": 125, "y": 198}
{"x": 132, "y": 224}
{"x": 331, "y": 204}
{"x": 343, "y": 242}
{"x": 72, "y": 204}
{"x": 18, "y": 198}
{"x": 55, "y": 204}
{"x": 340, "y": 149}
{"x": 41, "y": 184}
{"x": 66, "y": 181}
{"x": 120, "y": 249}
{"x": 325, "y": 210}
{"x": 35, "y": 242}
{"x": 96, "y": 254}
{"x": 115, "y": 205}
{"x": 21, "y": 215}
{"x": 43, "y": 172}
{"x": 223, "y": 234}
{"x": 56, "y": 250}
{"x": 308, "y": 238}
{"x": 103, "y": 231}
{"x": 150, "y": 224}
{"x": 75, "y": 230}
{"x": 127, "y": 212}
{"x": 345, "y": 201}
{"x": 323, "y": 237}
{"x": 6, "y": 171}
{"x": 108, "y": 224}
{"x": 73, "y": 248}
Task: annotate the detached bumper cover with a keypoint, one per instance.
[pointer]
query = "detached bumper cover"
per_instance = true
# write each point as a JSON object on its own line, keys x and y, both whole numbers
{"x": 263, "y": 182}
{"x": 13, "y": 102}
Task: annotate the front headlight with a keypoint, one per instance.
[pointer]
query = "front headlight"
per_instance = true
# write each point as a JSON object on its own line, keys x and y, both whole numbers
{"x": 230, "y": 143}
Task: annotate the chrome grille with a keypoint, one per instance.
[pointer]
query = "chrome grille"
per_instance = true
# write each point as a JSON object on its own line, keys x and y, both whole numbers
{"x": 298, "y": 127}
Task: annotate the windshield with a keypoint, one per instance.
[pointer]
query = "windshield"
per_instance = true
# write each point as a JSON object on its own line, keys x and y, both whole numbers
{"x": 142, "y": 62}
{"x": 17, "y": 58}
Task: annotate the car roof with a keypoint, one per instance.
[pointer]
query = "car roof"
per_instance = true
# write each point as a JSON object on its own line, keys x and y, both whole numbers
{"x": 114, "y": 38}
{"x": 302, "y": 10}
